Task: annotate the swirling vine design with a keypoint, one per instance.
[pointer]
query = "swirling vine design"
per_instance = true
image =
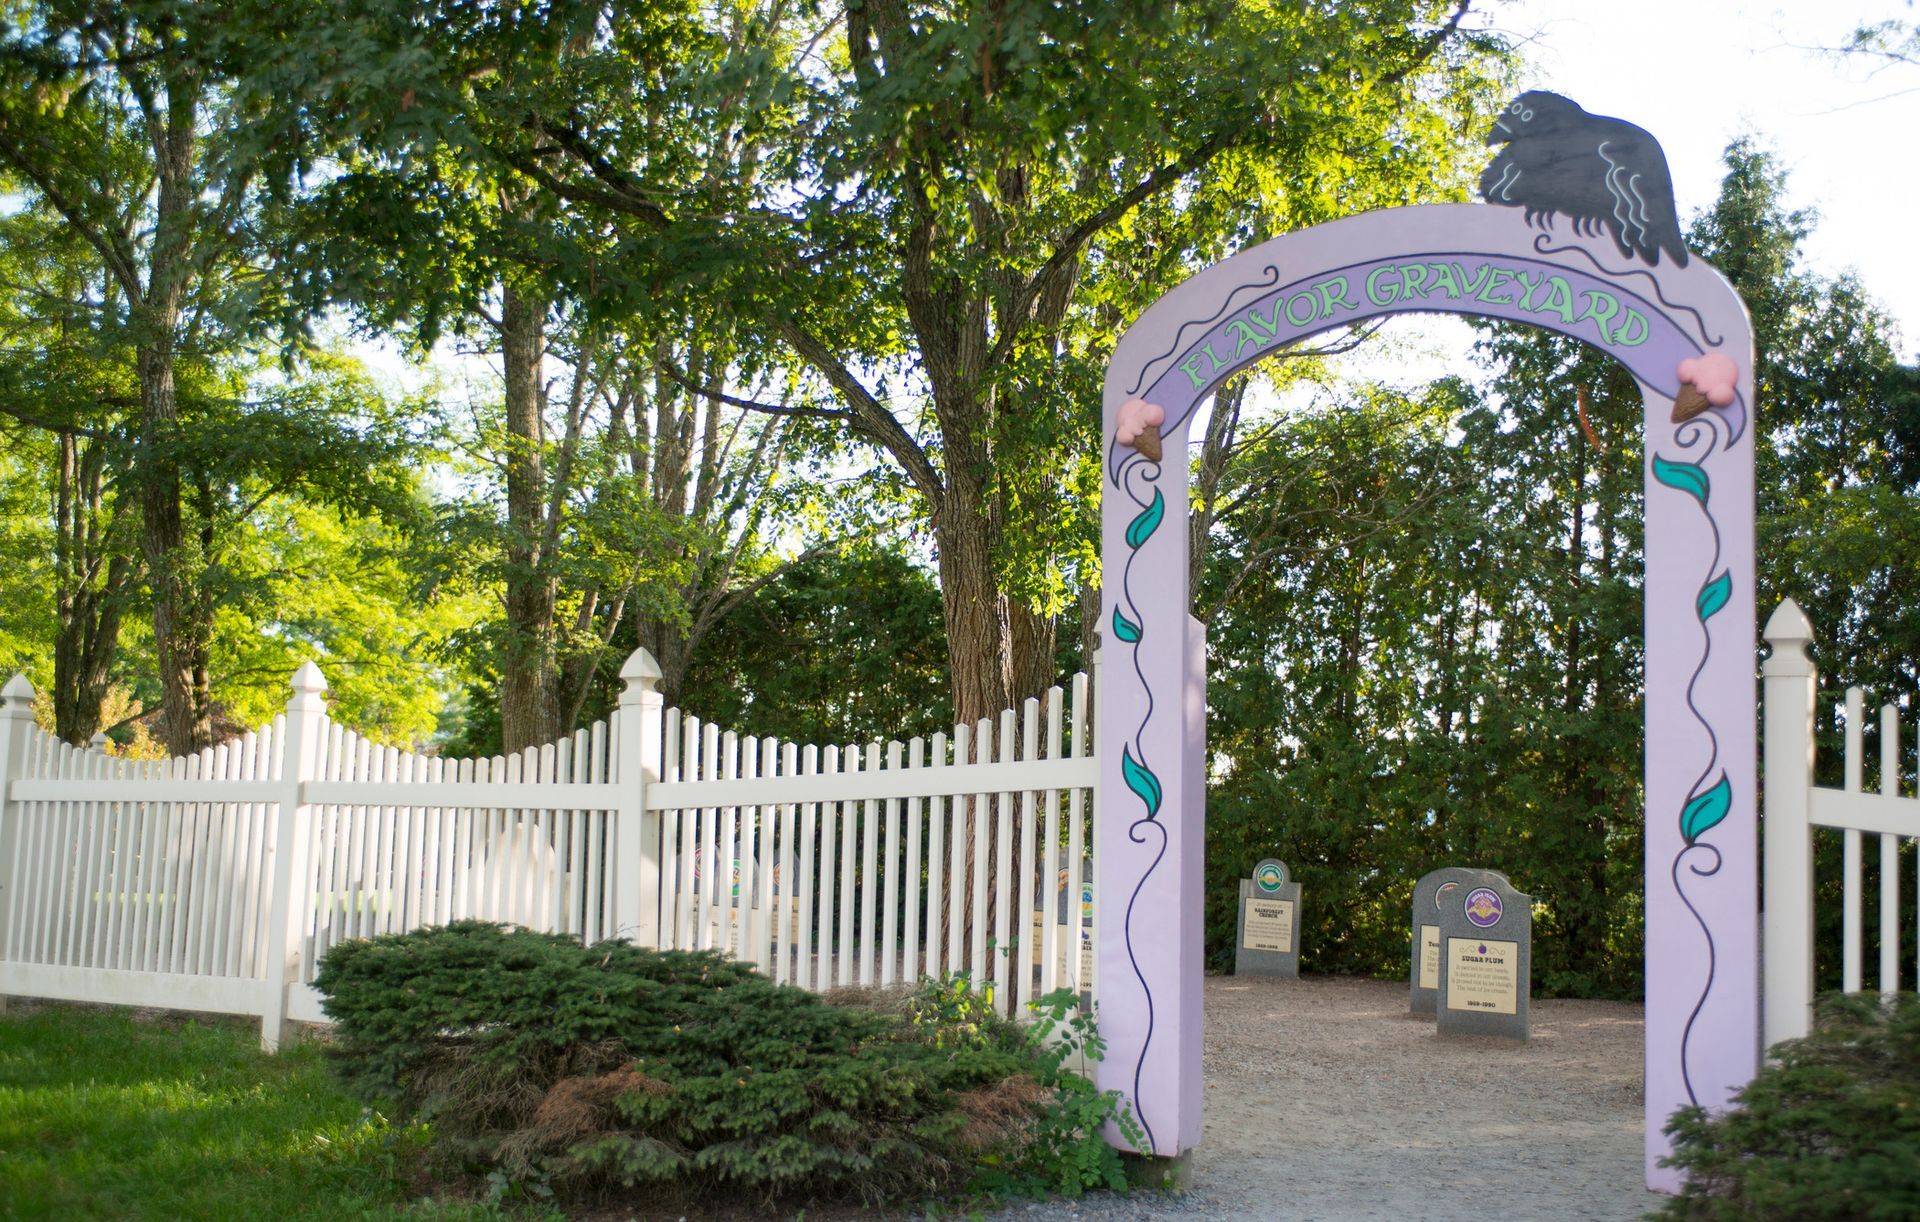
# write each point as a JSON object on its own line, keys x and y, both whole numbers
{"x": 1138, "y": 477}
{"x": 1710, "y": 797}
{"x": 1270, "y": 276}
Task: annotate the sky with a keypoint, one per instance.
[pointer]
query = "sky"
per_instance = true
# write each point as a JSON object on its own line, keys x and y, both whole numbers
{"x": 1699, "y": 73}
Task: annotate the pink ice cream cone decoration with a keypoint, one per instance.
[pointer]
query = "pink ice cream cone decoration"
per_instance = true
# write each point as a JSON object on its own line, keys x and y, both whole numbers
{"x": 1705, "y": 381}
{"x": 1139, "y": 427}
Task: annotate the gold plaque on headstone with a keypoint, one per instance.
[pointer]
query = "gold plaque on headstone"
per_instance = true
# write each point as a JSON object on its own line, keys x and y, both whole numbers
{"x": 1429, "y": 956}
{"x": 1269, "y": 926}
{"x": 1483, "y": 976}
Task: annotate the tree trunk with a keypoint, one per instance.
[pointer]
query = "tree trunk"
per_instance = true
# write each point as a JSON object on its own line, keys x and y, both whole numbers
{"x": 186, "y": 723}
{"x": 529, "y": 679}
{"x": 88, "y": 607}
{"x": 182, "y": 627}
{"x": 975, "y": 613}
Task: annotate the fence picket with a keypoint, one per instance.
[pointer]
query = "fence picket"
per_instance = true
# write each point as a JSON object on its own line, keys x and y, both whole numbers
{"x": 745, "y": 873}
{"x": 422, "y": 821}
{"x": 1006, "y": 942}
{"x": 869, "y": 873}
{"x": 766, "y": 818}
{"x": 725, "y": 892}
{"x": 671, "y": 843}
{"x": 958, "y": 808}
{"x": 1021, "y": 964}
{"x": 745, "y": 867}
{"x": 709, "y": 838}
{"x": 910, "y": 935}
{"x": 785, "y": 897}
{"x": 932, "y": 963}
{"x": 849, "y": 829}
{"x": 1850, "y": 854}
{"x": 804, "y": 883}
{"x": 599, "y": 920}
{"x": 829, "y": 854}
{"x": 1889, "y": 855}
{"x": 1055, "y": 898}
{"x": 979, "y": 966}
{"x": 689, "y": 840}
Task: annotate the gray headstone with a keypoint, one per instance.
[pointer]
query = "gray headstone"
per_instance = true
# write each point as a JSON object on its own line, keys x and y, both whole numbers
{"x": 1486, "y": 960}
{"x": 1423, "y": 977}
{"x": 1268, "y": 932}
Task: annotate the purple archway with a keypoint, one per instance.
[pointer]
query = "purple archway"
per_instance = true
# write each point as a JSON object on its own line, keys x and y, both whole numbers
{"x": 1476, "y": 259}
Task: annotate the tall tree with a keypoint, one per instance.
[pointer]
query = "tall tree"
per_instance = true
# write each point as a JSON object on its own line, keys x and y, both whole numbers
{"x": 67, "y": 387}
{"x": 1839, "y": 449}
{"x": 948, "y": 212}
{"x": 110, "y": 116}
{"x": 436, "y": 221}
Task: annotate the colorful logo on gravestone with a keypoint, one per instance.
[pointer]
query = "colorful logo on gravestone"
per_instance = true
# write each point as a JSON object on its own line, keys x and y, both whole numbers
{"x": 1483, "y": 908}
{"x": 1269, "y": 877}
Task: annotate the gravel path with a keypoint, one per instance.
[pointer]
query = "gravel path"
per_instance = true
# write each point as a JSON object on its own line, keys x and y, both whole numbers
{"x": 1326, "y": 1100}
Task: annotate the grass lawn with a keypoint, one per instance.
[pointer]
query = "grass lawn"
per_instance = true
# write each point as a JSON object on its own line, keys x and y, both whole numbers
{"x": 108, "y": 1115}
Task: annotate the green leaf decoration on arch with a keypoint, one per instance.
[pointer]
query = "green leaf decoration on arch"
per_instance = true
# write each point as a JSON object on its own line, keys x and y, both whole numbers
{"x": 1141, "y": 780}
{"x": 1714, "y": 595}
{"x": 1125, "y": 628}
{"x": 1688, "y": 477}
{"x": 1141, "y": 529}
{"x": 1704, "y": 811}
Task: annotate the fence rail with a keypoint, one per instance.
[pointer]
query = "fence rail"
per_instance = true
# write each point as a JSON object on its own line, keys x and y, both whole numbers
{"x": 1795, "y": 807}
{"x": 217, "y": 881}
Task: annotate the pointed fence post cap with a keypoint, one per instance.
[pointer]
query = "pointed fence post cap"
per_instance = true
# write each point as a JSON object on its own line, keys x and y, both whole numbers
{"x": 17, "y": 691}
{"x": 308, "y": 678}
{"x": 641, "y": 671}
{"x": 1788, "y": 623}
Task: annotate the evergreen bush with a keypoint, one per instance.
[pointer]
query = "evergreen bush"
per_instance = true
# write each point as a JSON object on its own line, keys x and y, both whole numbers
{"x": 550, "y": 1066}
{"x": 1829, "y": 1128}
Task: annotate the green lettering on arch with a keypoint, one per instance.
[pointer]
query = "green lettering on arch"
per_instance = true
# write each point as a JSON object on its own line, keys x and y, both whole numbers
{"x": 1270, "y": 326}
{"x": 1559, "y": 299}
{"x": 1375, "y": 290}
{"x": 1248, "y": 338}
{"x": 1601, "y": 307}
{"x": 1333, "y": 292}
{"x": 1413, "y": 281}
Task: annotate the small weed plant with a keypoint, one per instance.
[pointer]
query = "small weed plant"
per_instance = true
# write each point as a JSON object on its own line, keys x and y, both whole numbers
{"x": 546, "y": 1067}
{"x": 1067, "y": 1152}
{"x": 1829, "y": 1128}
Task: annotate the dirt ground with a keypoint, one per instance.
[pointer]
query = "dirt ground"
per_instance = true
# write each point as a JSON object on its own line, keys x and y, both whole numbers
{"x": 1326, "y": 1100}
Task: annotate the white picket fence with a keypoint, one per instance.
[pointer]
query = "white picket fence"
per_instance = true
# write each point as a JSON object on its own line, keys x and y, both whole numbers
{"x": 1795, "y": 807}
{"x": 215, "y": 882}
{"x": 872, "y": 838}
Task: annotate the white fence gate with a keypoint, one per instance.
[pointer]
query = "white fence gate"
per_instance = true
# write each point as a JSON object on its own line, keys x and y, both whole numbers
{"x": 1795, "y": 807}
{"x": 215, "y": 882}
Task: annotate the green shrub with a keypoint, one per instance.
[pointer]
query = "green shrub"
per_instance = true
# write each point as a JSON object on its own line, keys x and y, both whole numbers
{"x": 1829, "y": 1128}
{"x": 549, "y": 1065}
